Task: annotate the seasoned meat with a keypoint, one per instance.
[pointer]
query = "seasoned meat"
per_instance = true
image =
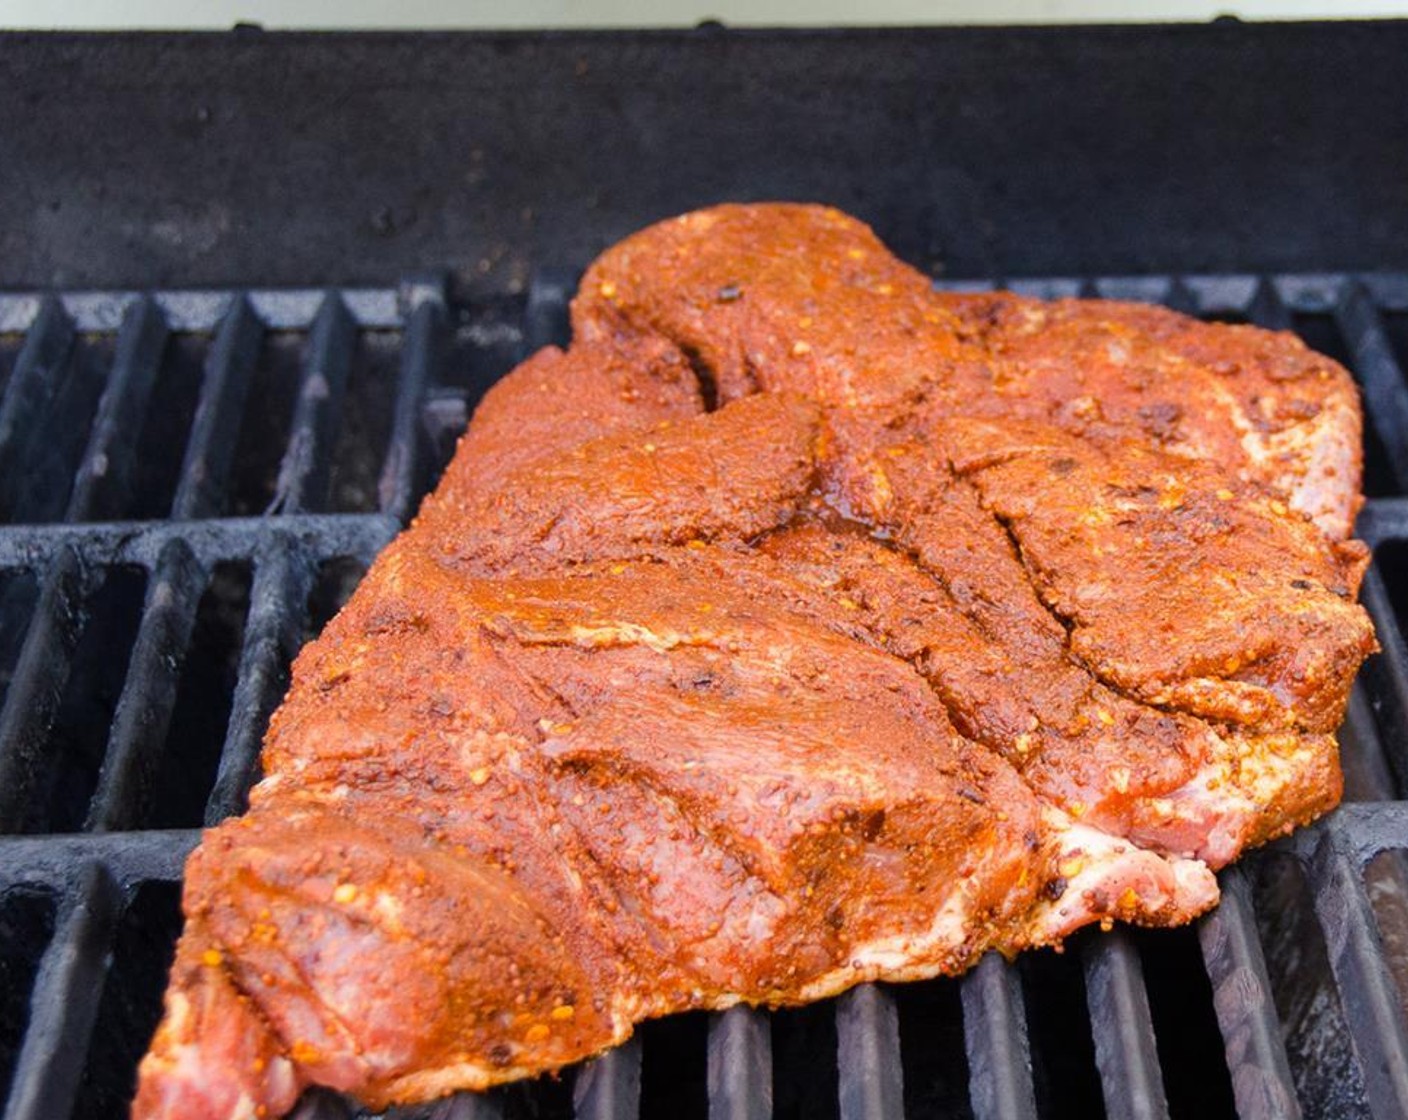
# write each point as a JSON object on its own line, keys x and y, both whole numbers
{"x": 807, "y": 299}
{"x": 1258, "y": 402}
{"x": 1151, "y": 564}
{"x": 796, "y": 627}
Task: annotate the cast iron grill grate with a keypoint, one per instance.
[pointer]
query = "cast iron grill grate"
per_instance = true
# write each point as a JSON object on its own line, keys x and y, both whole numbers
{"x": 190, "y": 483}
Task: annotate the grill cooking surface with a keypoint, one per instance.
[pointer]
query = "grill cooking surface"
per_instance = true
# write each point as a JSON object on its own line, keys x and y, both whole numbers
{"x": 190, "y": 484}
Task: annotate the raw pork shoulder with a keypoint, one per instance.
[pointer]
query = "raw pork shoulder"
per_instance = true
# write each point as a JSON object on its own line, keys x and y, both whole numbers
{"x": 797, "y": 627}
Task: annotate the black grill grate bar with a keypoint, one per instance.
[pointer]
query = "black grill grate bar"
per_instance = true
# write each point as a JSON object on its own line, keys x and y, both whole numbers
{"x": 1383, "y": 519}
{"x": 1170, "y": 291}
{"x": 1373, "y": 1007}
{"x": 1366, "y": 765}
{"x": 35, "y": 381}
{"x": 319, "y": 1104}
{"x": 1246, "y": 1014}
{"x": 1145, "y": 289}
{"x": 149, "y": 694}
{"x": 1215, "y": 294}
{"x": 1121, "y": 1024}
{"x": 37, "y": 685}
{"x": 278, "y": 613}
{"x": 1311, "y": 293}
{"x": 1380, "y": 378}
{"x": 103, "y": 483}
{"x": 1123, "y": 1029}
{"x": 130, "y": 858}
{"x": 215, "y": 427}
{"x": 869, "y": 1071}
{"x": 740, "y": 1065}
{"x": 53, "y": 448}
{"x": 1223, "y": 297}
{"x": 608, "y": 1087}
{"x": 461, "y": 1106}
{"x": 995, "y": 1040}
{"x": 546, "y": 320}
{"x": 1387, "y": 674}
{"x": 64, "y": 1002}
{"x": 1035, "y": 287}
{"x": 200, "y": 309}
{"x": 1389, "y": 290}
{"x": 303, "y": 474}
{"x": 1031, "y": 287}
{"x": 1365, "y": 830}
{"x": 426, "y": 316}
{"x": 237, "y": 538}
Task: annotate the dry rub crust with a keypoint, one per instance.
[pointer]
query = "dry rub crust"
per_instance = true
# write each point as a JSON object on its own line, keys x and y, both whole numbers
{"x": 1258, "y": 402}
{"x": 796, "y": 627}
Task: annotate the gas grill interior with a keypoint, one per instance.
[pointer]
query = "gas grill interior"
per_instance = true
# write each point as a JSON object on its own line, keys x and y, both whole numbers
{"x": 191, "y": 484}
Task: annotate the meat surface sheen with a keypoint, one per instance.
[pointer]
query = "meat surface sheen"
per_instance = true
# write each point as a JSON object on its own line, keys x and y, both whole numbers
{"x": 796, "y": 627}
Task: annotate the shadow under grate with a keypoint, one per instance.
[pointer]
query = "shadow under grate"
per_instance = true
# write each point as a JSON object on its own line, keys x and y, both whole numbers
{"x": 26, "y": 925}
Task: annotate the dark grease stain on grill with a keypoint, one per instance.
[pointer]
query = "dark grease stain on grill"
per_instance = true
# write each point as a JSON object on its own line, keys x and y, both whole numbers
{"x": 1248, "y": 1013}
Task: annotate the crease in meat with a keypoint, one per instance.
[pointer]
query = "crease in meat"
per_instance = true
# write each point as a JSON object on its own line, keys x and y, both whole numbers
{"x": 798, "y": 626}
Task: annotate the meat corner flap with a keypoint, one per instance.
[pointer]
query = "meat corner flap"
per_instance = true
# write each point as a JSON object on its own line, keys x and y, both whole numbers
{"x": 796, "y": 627}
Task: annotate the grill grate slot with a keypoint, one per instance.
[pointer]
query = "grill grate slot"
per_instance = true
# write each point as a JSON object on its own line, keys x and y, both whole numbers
{"x": 1187, "y": 1031}
{"x": 674, "y": 1067}
{"x": 319, "y": 1105}
{"x": 369, "y": 408}
{"x": 805, "y": 1080}
{"x": 1267, "y": 308}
